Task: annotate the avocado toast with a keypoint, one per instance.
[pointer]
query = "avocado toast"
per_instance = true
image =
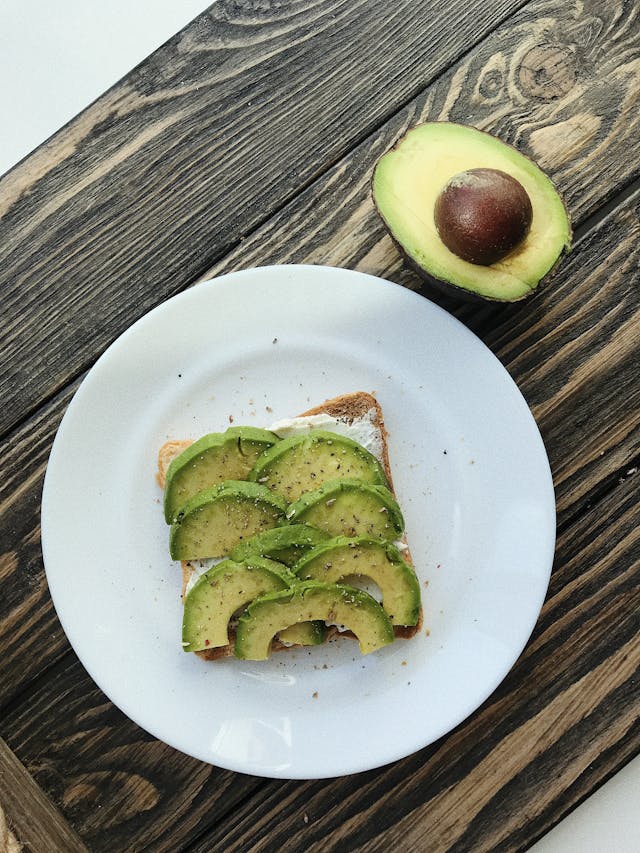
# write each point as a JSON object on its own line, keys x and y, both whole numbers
{"x": 313, "y": 516}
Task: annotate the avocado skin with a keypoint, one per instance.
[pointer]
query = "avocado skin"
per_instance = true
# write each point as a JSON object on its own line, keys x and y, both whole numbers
{"x": 440, "y": 286}
{"x": 461, "y": 294}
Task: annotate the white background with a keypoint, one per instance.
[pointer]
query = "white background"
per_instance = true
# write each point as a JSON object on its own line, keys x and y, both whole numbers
{"x": 55, "y": 59}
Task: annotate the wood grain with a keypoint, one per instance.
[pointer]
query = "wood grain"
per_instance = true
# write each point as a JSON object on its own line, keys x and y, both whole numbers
{"x": 562, "y": 393}
{"x": 31, "y": 636}
{"x": 120, "y": 788}
{"x": 33, "y": 818}
{"x": 605, "y": 253}
{"x": 131, "y": 201}
{"x": 334, "y": 222}
{"x": 564, "y": 719}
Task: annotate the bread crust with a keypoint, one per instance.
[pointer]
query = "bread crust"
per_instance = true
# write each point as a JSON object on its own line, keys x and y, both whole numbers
{"x": 348, "y": 407}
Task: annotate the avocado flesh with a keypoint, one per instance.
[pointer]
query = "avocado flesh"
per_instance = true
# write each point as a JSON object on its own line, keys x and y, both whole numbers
{"x": 382, "y": 562}
{"x": 215, "y": 520}
{"x": 304, "y": 462}
{"x": 409, "y": 178}
{"x": 350, "y": 508}
{"x": 308, "y": 601}
{"x": 285, "y": 544}
{"x": 220, "y": 592}
{"x": 304, "y": 634}
{"x": 212, "y": 459}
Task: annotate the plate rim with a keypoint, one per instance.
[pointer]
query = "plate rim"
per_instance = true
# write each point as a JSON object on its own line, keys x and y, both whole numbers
{"x": 120, "y": 341}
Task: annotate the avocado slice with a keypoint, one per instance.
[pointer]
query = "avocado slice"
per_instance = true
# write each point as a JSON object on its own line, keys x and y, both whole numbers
{"x": 285, "y": 544}
{"x": 220, "y": 592}
{"x": 212, "y": 522}
{"x": 312, "y": 633}
{"x": 303, "y": 462}
{"x": 350, "y": 508}
{"x": 229, "y": 586}
{"x": 212, "y": 459}
{"x": 408, "y": 182}
{"x": 382, "y": 562}
{"x": 308, "y": 601}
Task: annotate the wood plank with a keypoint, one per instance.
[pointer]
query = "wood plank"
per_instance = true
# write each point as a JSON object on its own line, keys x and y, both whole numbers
{"x": 584, "y": 392}
{"x": 581, "y": 134}
{"x": 333, "y": 222}
{"x": 132, "y": 200}
{"x": 563, "y": 720}
{"x": 563, "y": 397}
{"x": 118, "y": 787}
{"x": 30, "y": 634}
{"x": 33, "y": 818}
{"x": 591, "y": 306}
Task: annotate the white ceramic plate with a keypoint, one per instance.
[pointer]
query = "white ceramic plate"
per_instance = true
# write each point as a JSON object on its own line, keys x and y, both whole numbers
{"x": 469, "y": 468}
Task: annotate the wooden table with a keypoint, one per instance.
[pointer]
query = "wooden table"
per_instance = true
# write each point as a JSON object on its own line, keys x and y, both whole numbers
{"x": 249, "y": 139}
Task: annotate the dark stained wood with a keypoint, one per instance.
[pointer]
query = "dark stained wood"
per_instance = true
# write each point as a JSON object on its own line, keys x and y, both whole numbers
{"x": 179, "y": 173}
{"x": 562, "y": 721}
{"x": 334, "y": 222}
{"x": 31, "y": 636}
{"x": 563, "y": 395}
{"x": 33, "y": 818}
{"x": 605, "y": 253}
{"x": 544, "y": 738}
{"x": 131, "y": 201}
{"x": 586, "y": 325}
{"x": 120, "y": 788}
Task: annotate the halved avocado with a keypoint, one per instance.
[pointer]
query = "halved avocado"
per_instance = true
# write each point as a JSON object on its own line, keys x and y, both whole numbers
{"x": 342, "y": 558}
{"x": 308, "y": 601}
{"x": 212, "y": 459}
{"x": 409, "y": 180}
{"x": 350, "y": 508}
{"x": 285, "y": 544}
{"x": 212, "y": 522}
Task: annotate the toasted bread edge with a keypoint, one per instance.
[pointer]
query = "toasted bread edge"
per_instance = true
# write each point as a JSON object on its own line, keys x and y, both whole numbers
{"x": 350, "y": 407}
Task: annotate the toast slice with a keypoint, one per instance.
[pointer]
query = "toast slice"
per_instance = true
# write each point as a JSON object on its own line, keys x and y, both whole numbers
{"x": 347, "y": 408}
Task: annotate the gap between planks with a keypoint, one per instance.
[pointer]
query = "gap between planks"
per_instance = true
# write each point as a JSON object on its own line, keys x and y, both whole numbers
{"x": 31, "y": 815}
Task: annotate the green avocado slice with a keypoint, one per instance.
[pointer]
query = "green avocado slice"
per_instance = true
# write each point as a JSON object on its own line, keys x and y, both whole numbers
{"x": 311, "y": 633}
{"x": 342, "y": 557}
{"x": 215, "y": 520}
{"x": 229, "y": 586}
{"x": 408, "y": 180}
{"x": 285, "y": 544}
{"x": 210, "y": 460}
{"x": 220, "y": 592}
{"x": 308, "y": 601}
{"x": 350, "y": 508}
{"x": 303, "y": 462}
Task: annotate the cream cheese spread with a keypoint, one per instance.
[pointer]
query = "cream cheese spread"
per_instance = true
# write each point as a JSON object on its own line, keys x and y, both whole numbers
{"x": 364, "y": 429}
{"x": 198, "y": 568}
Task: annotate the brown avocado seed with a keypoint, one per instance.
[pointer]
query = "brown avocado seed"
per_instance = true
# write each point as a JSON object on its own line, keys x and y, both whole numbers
{"x": 482, "y": 215}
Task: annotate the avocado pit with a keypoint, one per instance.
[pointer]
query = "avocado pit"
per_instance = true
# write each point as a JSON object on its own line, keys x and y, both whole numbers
{"x": 483, "y": 214}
